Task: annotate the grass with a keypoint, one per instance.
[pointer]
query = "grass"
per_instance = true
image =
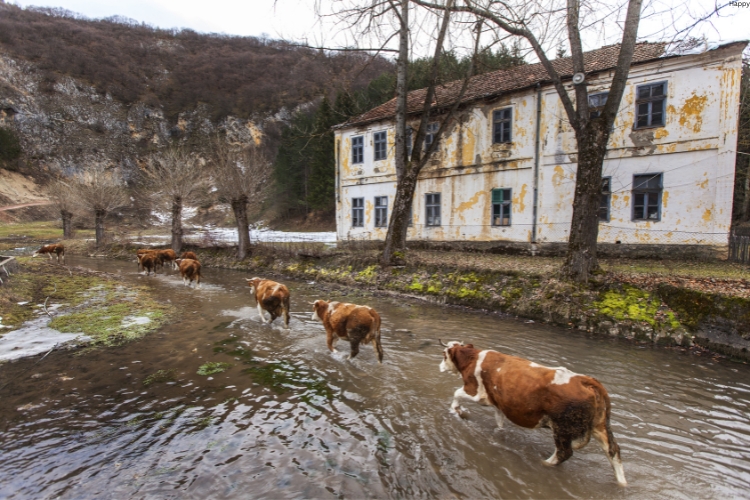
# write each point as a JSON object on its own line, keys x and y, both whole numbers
{"x": 41, "y": 230}
{"x": 159, "y": 377}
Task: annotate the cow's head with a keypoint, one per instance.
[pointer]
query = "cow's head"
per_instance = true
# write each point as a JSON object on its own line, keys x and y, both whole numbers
{"x": 253, "y": 284}
{"x": 447, "y": 365}
{"x": 319, "y": 309}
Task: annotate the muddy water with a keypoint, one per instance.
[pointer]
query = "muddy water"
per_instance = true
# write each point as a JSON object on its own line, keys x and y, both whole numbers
{"x": 288, "y": 419}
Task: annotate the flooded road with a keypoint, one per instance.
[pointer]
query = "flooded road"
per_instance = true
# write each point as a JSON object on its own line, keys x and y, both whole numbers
{"x": 288, "y": 419}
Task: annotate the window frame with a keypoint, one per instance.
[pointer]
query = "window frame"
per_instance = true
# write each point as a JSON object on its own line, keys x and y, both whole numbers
{"x": 430, "y": 131}
{"x": 435, "y": 206}
{"x": 358, "y": 147}
{"x": 597, "y": 109}
{"x": 380, "y": 139}
{"x": 358, "y": 208}
{"x": 607, "y": 206}
{"x": 381, "y": 220}
{"x": 648, "y": 192}
{"x": 504, "y": 203}
{"x": 505, "y": 125}
{"x": 650, "y": 101}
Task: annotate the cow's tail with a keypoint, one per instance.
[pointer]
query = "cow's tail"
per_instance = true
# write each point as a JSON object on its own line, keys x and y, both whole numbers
{"x": 375, "y": 332}
{"x": 603, "y": 431}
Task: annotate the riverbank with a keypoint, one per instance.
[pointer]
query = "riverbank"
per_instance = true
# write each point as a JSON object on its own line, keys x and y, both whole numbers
{"x": 705, "y": 304}
{"x": 44, "y": 304}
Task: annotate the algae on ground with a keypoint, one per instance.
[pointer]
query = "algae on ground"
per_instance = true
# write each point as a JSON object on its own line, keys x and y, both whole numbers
{"x": 160, "y": 376}
{"x": 282, "y": 377}
{"x": 213, "y": 367}
{"x": 630, "y": 303}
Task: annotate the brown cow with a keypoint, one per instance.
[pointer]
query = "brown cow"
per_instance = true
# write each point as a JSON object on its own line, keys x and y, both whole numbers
{"x": 190, "y": 270}
{"x": 148, "y": 261}
{"x": 57, "y": 248}
{"x": 142, "y": 251}
{"x": 272, "y": 297}
{"x": 349, "y": 322}
{"x": 170, "y": 256}
{"x": 189, "y": 255}
{"x": 574, "y": 406}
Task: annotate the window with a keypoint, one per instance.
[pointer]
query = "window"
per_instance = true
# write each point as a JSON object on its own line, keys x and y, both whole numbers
{"x": 647, "y": 197}
{"x": 429, "y": 137}
{"x": 432, "y": 209}
{"x": 358, "y": 212}
{"x": 381, "y": 211}
{"x": 501, "y": 202}
{"x": 358, "y": 149}
{"x": 605, "y": 200}
{"x": 380, "y": 140}
{"x": 649, "y": 105}
{"x": 502, "y": 122}
{"x": 596, "y": 103}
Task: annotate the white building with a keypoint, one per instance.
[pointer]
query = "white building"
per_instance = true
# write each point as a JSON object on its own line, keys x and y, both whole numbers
{"x": 505, "y": 169}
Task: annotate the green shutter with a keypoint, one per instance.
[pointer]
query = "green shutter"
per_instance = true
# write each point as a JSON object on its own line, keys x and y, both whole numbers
{"x": 500, "y": 195}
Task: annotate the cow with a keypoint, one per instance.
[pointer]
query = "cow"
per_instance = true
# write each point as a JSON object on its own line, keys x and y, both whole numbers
{"x": 170, "y": 256}
{"x": 148, "y": 261}
{"x": 56, "y": 248}
{"x": 574, "y": 406}
{"x": 349, "y": 322}
{"x": 190, "y": 270}
{"x": 272, "y": 297}
{"x": 142, "y": 251}
{"x": 189, "y": 255}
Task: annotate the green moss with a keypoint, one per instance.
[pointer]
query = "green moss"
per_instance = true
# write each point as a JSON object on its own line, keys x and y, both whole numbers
{"x": 159, "y": 377}
{"x": 630, "y": 303}
{"x": 213, "y": 367}
{"x": 368, "y": 273}
{"x": 416, "y": 286}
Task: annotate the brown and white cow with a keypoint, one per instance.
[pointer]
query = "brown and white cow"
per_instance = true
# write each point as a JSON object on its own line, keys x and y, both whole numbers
{"x": 349, "y": 322}
{"x": 189, "y": 255}
{"x": 190, "y": 270}
{"x": 170, "y": 256}
{"x": 574, "y": 406}
{"x": 148, "y": 262}
{"x": 57, "y": 249}
{"x": 272, "y": 297}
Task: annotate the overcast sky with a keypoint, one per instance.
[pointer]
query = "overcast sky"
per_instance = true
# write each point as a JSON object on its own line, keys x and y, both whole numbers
{"x": 296, "y": 19}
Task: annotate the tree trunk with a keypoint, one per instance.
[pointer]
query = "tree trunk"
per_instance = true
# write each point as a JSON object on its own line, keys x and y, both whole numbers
{"x": 396, "y": 238}
{"x": 67, "y": 222}
{"x": 177, "y": 224}
{"x": 580, "y": 261}
{"x": 239, "y": 206}
{"x": 99, "y": 216}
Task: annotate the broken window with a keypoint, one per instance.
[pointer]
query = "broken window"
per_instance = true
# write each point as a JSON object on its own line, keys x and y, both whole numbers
{"x": 380, "y": 141}
{"x": 432, "y": 209}
{"x": 501, "y": 205}
{"x": 502, "y": 122}
{"x": 650, "y": 104}
{"x": 596, "y": 103}
{"x": 430, "y": 136}
{"x": 358, "y": 212}
{"x": 647, "y": 197}
{"x": 605, "y": 199}
{"x": 358, "y": 149}
{"x": 381, "y": 211}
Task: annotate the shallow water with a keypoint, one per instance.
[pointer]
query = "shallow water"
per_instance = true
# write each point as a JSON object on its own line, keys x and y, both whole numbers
{"x": 289, "y": 419}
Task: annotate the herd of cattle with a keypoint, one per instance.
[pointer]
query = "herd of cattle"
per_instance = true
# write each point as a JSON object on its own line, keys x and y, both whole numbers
{"x": 575, "y": 407}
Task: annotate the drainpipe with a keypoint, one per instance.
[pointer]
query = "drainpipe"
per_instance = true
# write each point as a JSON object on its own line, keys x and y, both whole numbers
{"x": 536, "y": 167}
{"x": 338, "y": 182}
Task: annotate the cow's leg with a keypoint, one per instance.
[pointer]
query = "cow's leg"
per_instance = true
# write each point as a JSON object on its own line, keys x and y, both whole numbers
{"x": 460, "y": 393}
{"x": 563, "y": 449}
{"x": 260, "y": 312}
{"x": 354, "y": 343}
{"x": 285, "y": 309}
{"x": 612, "y": 450}
{"x": 331, "y": 339}
{"x": 378, "y": 348}
{"x": 499, "y": 418}
{"x": 198, "y": 282}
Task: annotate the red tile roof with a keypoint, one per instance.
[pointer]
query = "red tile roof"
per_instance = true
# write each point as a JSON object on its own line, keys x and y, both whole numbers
{"x": 508, "y": 80}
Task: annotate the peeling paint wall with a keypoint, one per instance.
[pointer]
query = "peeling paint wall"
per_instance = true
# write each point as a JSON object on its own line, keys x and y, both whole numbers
{"x": 693, "y": 151}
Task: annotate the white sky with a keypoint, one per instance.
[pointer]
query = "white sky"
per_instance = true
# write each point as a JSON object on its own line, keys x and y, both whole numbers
{"x": 296, "y": 19}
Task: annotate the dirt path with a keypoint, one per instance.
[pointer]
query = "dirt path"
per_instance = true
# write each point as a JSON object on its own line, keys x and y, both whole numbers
{"x": 22, "y": 205}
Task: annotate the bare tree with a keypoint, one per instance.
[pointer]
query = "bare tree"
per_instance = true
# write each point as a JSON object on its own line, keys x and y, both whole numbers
{"x": 522, "y": 19}
{"x": 175, "y": 177}
{"x": 238, "y": 174}
{"x": 64, "y": 198}
{"x": 100, "y": 190}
